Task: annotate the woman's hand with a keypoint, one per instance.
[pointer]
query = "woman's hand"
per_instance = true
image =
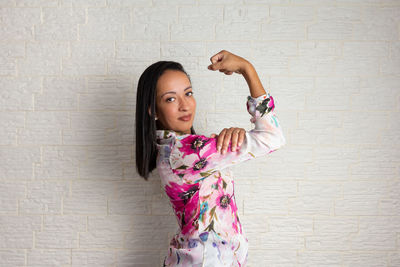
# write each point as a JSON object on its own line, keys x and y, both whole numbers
{"x": 228, "y": 63}
{"x": 234, "y": 134}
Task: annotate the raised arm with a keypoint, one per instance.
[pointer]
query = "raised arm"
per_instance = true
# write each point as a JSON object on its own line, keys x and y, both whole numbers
{"x": 197, "y": 155}
{"x": 253, "y": 81}
{"x": 228, "y": 63}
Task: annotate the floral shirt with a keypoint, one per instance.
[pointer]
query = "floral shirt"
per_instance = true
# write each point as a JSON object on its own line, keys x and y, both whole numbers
{"x": 200, "y": 187}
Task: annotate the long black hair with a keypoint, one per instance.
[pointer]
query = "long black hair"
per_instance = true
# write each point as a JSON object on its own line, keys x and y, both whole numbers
{"x": 145, "y": 123}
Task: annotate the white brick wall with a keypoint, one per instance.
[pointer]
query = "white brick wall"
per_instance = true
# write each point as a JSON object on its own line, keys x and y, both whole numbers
{"x": 69, "y": 192}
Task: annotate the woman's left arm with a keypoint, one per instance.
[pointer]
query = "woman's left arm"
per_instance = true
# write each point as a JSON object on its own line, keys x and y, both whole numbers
{"x": 233, "y": 136}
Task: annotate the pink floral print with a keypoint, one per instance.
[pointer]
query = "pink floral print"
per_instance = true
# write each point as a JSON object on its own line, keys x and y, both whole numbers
{"x": 200, "y": 146}
{"x": 184, "y": 199}
{"x": 200, "y": 186}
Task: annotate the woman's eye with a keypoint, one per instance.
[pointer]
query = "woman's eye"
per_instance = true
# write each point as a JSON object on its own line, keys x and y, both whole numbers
{"x": 170, "y": 99}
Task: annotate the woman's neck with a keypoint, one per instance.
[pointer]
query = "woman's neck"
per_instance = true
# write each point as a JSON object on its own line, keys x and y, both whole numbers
{"x": 178, "y": 133}
{"x": 161, "y": 127}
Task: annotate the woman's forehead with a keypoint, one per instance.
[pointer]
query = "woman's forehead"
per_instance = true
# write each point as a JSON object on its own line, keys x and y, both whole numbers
{"x": 173, "y": 81}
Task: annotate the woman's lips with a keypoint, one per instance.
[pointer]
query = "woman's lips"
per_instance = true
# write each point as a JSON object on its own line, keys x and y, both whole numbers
{"x": 185, "y": 118}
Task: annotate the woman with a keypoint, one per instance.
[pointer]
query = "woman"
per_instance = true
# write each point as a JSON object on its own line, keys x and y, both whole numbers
{"x": 193, "y": 168}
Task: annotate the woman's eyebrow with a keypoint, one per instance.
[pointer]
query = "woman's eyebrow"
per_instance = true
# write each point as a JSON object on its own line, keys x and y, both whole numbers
{"x": 171, "y": 92}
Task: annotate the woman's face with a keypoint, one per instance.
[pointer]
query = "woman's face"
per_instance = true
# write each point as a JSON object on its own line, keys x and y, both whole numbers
{"x": 175, "y": 104}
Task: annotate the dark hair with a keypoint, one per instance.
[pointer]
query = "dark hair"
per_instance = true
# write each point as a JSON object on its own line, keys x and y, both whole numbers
{"x": 146, "y": 125}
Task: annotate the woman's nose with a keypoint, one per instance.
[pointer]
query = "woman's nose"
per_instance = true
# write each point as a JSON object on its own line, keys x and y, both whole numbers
{"x": 183, "y": 104}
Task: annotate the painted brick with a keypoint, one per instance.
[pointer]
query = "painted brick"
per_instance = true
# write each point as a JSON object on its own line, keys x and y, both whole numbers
{"x": 70, "y": 194}
{"x": 84, "y": 3}
{"x": 236, "y": 31}
{"x": 9, "y": 123}
{"x": 36, "y": 3}
{"x": 46, "y": 257}
{"x": 154, "y": 14}
{"x": 284, "y": 257}
{"x": 17, "y": 162}
{"x": 10, "y": 193}
{"x": 16, "y": 94}
{"x": 151, "y": 257}
{"x": 101, "y": 239}
{"x": 12, "y": 257}
{"x": 138, "y": 50}
{"x": 192, "y": 31}
{"x": 156, "y": 31}
{"x": 92, "y": 258}
{"x": 43, "y": 198}
{"x": 16, "y": 232}
{"x": 243, "y": 13}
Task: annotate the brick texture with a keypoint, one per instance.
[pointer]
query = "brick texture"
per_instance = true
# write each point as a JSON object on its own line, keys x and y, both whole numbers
{"x": 69, "y": 191}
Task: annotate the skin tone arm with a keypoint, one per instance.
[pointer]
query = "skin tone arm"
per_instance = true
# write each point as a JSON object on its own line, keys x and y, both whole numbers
{"x": 228, "y": 63}
{"x": 253, "y": 81}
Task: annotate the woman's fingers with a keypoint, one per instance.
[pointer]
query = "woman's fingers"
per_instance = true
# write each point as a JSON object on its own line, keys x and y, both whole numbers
{"x": 242, "y": 134}
{"x": 237, "y": 138}
{"x": 217, "y": 57}
{"x": 227, "y": 139}
{"x": 226, "y": 62}
{"x": 227, "y": 72}
{"x": 216, "y": 61}
{"x": 233, "y": 135}
{"x": 221, "y": 139}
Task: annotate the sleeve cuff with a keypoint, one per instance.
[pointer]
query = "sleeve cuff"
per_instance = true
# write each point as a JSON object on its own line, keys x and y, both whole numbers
{"x": 258, "y": 99}
{"x": 259, "y": 106}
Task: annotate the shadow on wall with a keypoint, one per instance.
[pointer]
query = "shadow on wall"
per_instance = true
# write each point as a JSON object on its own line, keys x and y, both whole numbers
{"x": 129, "y": 213}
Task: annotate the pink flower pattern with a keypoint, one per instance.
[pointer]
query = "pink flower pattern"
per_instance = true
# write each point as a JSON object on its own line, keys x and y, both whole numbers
{"x": 200, "y": 187}
{"x": 184, "y": 199}
{"x": 198, "y": 145}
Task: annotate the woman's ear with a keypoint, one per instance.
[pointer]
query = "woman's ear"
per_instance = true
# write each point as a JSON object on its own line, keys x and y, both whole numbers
{"x": 156, "y": 118}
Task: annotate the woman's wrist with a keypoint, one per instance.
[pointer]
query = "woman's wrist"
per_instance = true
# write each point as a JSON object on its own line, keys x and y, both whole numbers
{"x": 246, "y": 68}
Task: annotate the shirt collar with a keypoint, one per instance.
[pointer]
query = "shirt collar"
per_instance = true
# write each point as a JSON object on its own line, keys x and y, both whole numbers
{"x": 165, "y": 137}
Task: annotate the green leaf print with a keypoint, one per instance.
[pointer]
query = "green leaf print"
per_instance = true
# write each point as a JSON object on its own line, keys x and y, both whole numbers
{"x": 166, "y": 133}
{"x": 183, "y": 167}
{"x": 207, "y": 173}
{"x": 198, "y": 180}
{"x": 223, "y": 184}
{"x": 216, "y": 218}
{"x": 263, "y": 106}
{"x": 210, "y": 227}
{"x": 252, "y": 154}
{"x": 212, "y": 212}
{"x": 276, "y": 122}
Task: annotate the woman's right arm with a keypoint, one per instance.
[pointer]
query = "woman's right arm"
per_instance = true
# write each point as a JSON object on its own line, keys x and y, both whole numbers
{"x": 253, "y": 81}
{"x": 199, "y": 154}
{"x": 195, "y": 155}
{"x": 228, "y": 63}
{"x": 267, "y": 135}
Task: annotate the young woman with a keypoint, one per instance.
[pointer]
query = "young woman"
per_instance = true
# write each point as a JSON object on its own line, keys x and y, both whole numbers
{"x": 194, "y": 168}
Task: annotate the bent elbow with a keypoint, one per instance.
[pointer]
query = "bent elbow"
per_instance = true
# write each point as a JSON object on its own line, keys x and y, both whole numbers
{"x": 275, "y": 141}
